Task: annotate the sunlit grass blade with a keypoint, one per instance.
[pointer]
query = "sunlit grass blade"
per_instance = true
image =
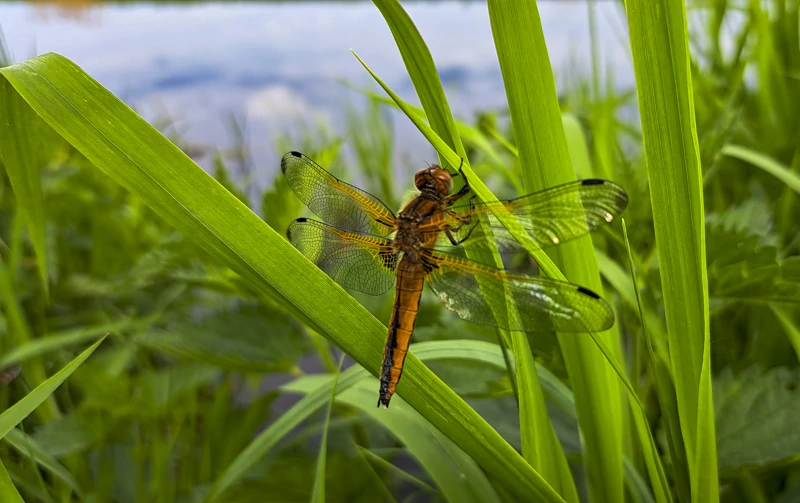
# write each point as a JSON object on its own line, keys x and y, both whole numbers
{"x": 540, "y": 446}
{"x": 20, "y": 410}
{"x": 659, "y": 41}
{"x": 766, "y": 163}
{"x": 8, "y": 493}
{"x": 24, "y": 155}
{"x": 545, "y": 160}
{"x": 120, "y": 143}
{"x": 318, "y": 492}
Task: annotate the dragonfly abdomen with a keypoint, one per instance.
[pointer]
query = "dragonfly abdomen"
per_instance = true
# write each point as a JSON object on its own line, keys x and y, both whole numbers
{"x": 408, "y": 291}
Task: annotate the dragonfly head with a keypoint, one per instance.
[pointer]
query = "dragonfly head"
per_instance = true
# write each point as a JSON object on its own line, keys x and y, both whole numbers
{"x": 434, "y": 179}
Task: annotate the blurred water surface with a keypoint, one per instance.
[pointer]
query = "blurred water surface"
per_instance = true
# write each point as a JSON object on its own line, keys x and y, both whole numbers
{"x": 275, "y": 66}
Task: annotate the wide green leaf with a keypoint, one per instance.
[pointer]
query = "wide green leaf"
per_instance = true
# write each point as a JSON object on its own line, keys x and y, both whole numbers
{"x": 116, "y": 140}
{"x": 659, "y": 42}
{"x": 546, "y": 161}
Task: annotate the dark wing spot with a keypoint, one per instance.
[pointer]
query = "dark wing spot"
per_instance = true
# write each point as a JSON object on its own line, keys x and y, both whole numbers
{"x": 593, "y": 181}
{"x": 588, "y": 292}
{"x": 296, "y": 153}
{"x": 301, "y": 219}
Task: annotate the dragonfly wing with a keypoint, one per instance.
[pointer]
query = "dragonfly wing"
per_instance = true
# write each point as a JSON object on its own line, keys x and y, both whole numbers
{"x": 360, "y": 262}
{"x": 549, "y": 217}
{"x": 338, "y": 203}
{"x": 542, "y": 304}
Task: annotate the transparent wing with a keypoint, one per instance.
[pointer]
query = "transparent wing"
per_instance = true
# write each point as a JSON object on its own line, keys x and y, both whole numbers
{"x": 550, "y": 217}
{"x": 338, "y": 203}
{"x": 360, "y": 262}
{"x": 542, "y": 304}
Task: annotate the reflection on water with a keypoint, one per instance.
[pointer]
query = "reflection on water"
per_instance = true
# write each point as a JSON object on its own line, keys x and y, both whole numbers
{"x": 279, "y": 63}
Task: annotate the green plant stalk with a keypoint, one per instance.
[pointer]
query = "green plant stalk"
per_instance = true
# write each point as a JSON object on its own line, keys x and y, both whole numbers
{"x": 545, "y": 161}
{"x": 659, "y": 41}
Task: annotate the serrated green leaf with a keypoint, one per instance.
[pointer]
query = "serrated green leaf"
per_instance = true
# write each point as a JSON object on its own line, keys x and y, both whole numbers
{"x": 757, "y": 416}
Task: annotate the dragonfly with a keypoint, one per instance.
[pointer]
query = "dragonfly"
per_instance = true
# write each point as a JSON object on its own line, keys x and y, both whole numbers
{"x": 362, "y": 245}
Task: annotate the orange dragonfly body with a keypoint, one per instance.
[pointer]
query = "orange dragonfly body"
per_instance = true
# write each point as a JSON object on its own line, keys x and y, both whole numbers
{"x": 363, "y": 246}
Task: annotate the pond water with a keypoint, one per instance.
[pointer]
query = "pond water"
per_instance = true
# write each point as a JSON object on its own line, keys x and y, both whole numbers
{"x": 279, "y": 64}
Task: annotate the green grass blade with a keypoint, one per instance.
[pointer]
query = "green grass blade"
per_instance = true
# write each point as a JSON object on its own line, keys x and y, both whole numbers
{"x": 24, "y": 155}
{"x": 401, "y": 474}
{"x": 789, "y": 326}
{"x": 545, "y": 160}
{"x": 59, "y": 340}
{"x": 652, "y": 459}
{"x": 318, "y": 493}
{"x": 31, "y": 449}
{"x": 132, "y": 153}
{"x": 659, "y": 41}
{"x": 766, "y": 163}
{"x": 20, "y": 410}
{"x": 8, "y": 492}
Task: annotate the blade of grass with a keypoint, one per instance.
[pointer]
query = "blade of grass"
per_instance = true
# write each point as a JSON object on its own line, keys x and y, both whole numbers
{"x": 21, "y": 334}
{"x": 318, "y": 492}
{"x": 766, "y": 163}
{"x": 791, "y": 329}
{"x": 20, "y": 410}
{"x": 401, "y": 474}
{"x": 8, "y": 492}
{"x": 24, "y": 156}
{"x": 28, "y": 447}
{"x": 545, "y": 160}
{"x": 59, "y": 340}
{"x": 132, "y": 153}
{"x": 659, "y": 42}
{"x": 539, "y": 443}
